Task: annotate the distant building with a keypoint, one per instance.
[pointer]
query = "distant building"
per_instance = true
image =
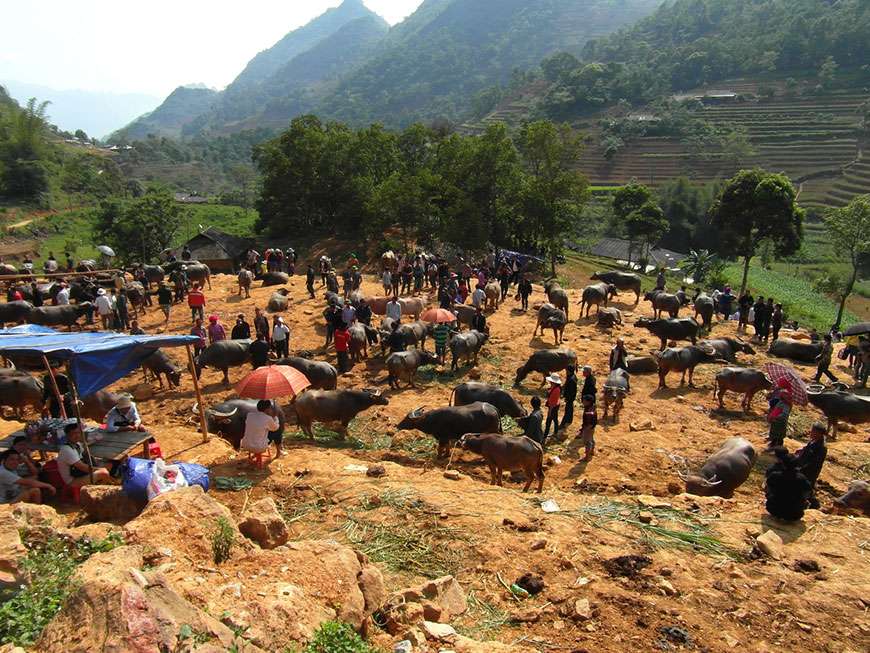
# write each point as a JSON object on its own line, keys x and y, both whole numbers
{"x": 220, "y": 251}
{"x": 618, "y": 248}
{"x": 186, "y": 198}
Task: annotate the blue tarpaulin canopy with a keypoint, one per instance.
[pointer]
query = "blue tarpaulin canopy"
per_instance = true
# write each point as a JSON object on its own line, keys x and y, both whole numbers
{"x": 96, "y": 359}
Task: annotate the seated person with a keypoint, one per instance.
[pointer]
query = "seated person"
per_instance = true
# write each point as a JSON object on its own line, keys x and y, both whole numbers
{"x": 262, "y": 427}
{"x": 124, "y": 416}
{"x": 28, "y": 466}
{"x": 73, "y": 470}
{"x": 14, "y": 488}
{"x": 787, "y": 490}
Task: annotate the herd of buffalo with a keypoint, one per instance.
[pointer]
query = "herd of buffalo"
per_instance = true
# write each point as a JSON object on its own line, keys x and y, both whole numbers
{"x": 473, "y": 420}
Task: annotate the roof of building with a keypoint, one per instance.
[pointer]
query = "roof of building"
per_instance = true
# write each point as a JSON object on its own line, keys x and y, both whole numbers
{"x": 617, "y": 248}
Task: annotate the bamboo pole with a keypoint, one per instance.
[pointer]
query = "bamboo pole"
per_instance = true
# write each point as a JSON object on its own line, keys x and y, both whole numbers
{"x": 75, "y": 397}
{"x": 54, "y": 385}
{"x": 202, "y": 421}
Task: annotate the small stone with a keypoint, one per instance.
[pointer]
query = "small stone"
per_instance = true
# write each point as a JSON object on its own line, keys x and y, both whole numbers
{"x": 452, "y": 475}
{"x": 666, "y": 572}
{"x": 582, "y": 609}
{"x": 804, "y": 627}
{"x": 438, "y": 631}
{"x": 641, "y": 425}
{"x": 806, "y": 566}
{"x": 139, "y": 578}
{"x": 532, "y": 583}
{"x": 529, "y": 616}
{"x": 566, "y": 564}
{"x": 537, "y": 545}
{"x": 376, "y": 471}
{"x": 405, "y": 646}
{"x": 770, "y": 544}
{"x": 559, "y": 625}
{"x": 681, "y": 399}
{"x": 666, "y": 587}
{"x": 646, "y": 517}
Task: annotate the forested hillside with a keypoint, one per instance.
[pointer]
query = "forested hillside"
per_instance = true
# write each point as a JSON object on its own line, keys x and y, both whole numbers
{"x": 185, "y": 105}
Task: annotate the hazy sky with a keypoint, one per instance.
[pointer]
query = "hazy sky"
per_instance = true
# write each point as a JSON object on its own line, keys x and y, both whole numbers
{"x": 153, "y": 46}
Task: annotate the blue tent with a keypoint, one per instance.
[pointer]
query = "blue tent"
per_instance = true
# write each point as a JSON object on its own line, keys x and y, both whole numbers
{"x": 96, "y": 359}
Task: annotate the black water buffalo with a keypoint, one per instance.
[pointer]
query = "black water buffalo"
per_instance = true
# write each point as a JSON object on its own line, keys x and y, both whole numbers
{"x": 550, "y": 317}
{"x": 609, "y": 318}
{"x": 663, "y": 301}
{"x": 321, "y": 375}
{"x": 385, "y": 328}
{"x": 404, "y": 364}
{"x": 449, "y": 424}
{"x": 18, "y": 390}
{"x": 98, "y": 404}
{"x": 59, "y": 315}
{"x": 275, "y": 279}
{"x": 197, "y": 272}
{"x": 596, "y": 295}
{"x": 160, "y": 365}
{"x": 227, "y": 419}
{"x": 706, "y": 308}
{"x": 557, "y": 296}
{"x": 683, "y": 328}
{"x": 466, "y": 344}
{"x": 622, "y": 281}
{"x": 546, "y": 361}
{"x": 743, "y": 380}
{"x": 334, "y": 406}
{"x": 153, "y": 274}
{"x": 684, "y": 359}
{"x": 86, "y": 265}
{"x": 415, "y": 334}
{"x": 724, "y": 471}
{"x": 857, "y": 497}
{"x": 614, "y": 391}
{"x": 464, "y": 314}
{"x": 802, "y": 351}
{"x": 642, "y": 364}
{"x": 359, "y": 341}
{"x": 279, "y": 301}
{"x": 506, "y": 453}
{"x": 474, "y": 391}
{"x": 223, "y": 355}
{"x": 138, "y": 296}
{"x": 840, "y": 406}
{"x": 16, "y": 312}
{"x": 728, "y": 348}
{"x": 7, "y": 270}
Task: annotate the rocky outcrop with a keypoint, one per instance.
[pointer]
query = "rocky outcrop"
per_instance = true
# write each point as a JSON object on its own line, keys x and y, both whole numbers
{"x": 12, "y": 554}
{"x": 438, "y": 601}
{"x": 109, "y": 503}
{"x": 263, "y": 523}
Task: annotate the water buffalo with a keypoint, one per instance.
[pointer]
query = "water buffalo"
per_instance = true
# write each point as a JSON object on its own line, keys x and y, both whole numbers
{"x": 724, "y": 471}
{"x": 473, "y": 391}
{"x": 137, "y": 295}
{"x": 550, "y": 317}
{"x": 385, "y": 328}
{"x": 464, "y": 313}
{"x": 502, "y": 452}
{"x": 684, "y": 359}
{"x": 198, "y": 273}
{"x": 415, "y": 333}
{"x": 97, "y": 405}
{"x": 279, "y": 301}
{"x": 227, "y": 419}
{"x": 609, "y": 318}
{"x": 404, "y": 364}
{"x": 359, "y": 341}
{"x": 705, "y": 307}
{"x": 410, "y": 305}
{"x": 728, "y": 348}
{"x": 493, "y": 295}
{"x": 275, "y": 279}
{"x": 614, "y": 391}
{"x": 153, "y": 274}
{"x": 857, "y": 497}
{"x": 59, "y": 315}
{"x": 334, "y": 406}
{"x": 160, "y": 365}
{"x": 466, "y": 344}
{"x": 839, "y": 406}
{"x": 546, "y": 361}
{"x": 596, "y": 295}
{"x": 321, "y": 376}
{"x": 662, "y": 301}
{"x": 798, "y": 350}
{"x": 557, "y": 296}
{"x": 7, "y": 270}
{"x": 642, "y": 364}
{"x": 683, "y": 328}
{"x": 17, "y": 312}
{"x": 19, "y": 390}
{"x": 449, "y": 424}
{"x": 744, "y": 380}
{"x": 86, "y": 265}
{"x": 223, "y": 355}
{"x": 622, "y": 281}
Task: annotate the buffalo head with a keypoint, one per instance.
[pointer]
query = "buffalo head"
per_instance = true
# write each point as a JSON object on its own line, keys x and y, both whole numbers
{"x": 376, "y": 396}
{"x": 699, "y": 485}
{"x": 411, "y": 420}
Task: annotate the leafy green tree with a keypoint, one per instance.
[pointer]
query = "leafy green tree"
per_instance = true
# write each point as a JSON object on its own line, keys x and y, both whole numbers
{"x": 828, "y": 72}
{"x": 849, "y": 230}
{"x": 698, "y": 264}
{"x": 405, "y": 201}
{"x": 23, "y": 152}
{"x": 629, "y": 199}
{"x": 140, "y": 229}
{"x": 756, "y": 205}
{"x": 646, "y": 225}
{"x": 737, "y": 149}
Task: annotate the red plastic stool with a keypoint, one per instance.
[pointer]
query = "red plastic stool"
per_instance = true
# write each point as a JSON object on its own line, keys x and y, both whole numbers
{"x": 154, "y": 450}
{"x": 259, "y": 460}
{"x": 65, "y": 492}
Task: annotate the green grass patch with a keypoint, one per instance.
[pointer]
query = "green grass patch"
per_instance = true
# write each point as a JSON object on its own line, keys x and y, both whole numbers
{"x": 483, "y": 619}
{"x": 222, "y": 540}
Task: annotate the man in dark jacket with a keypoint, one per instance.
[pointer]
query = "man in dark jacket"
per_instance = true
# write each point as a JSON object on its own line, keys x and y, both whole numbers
{"x": 787, "y": 490}
{"x": 478, "y": 321}
{"x": 534, "y": 422}
{"x": 524, "y": 290}
{"x": 241, "y": 330}
{"x": 396, "y": 339}
{"x": 309, "y": 281}
{"x": 261, "y": 325}
{"x": 259, "y": 351}
{"x": 823, "y": 360}
{"x": 811, "y": 458}
{"x": 569, "y": 394}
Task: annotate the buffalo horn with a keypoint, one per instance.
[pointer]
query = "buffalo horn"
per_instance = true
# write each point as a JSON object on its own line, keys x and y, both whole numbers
{"x": 230, "y": 414}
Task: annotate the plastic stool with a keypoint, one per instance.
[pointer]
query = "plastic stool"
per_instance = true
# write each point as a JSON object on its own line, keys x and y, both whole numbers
{"x": 259, "y": 460}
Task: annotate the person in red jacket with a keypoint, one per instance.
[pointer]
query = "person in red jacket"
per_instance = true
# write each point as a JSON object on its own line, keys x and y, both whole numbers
{"x": 554, "y": 395}
{"x": 196, "y": 302}
{"x": 342, "y": 346}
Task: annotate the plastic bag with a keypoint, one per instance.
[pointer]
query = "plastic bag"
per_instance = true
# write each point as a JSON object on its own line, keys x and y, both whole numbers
{"x": 136, "y": 476}
{"x": 164, "y": 478}
{"x": 195, "y": 474}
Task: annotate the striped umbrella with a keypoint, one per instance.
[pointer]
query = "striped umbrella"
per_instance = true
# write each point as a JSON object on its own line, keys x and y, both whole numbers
{"x": 797, "y": 387}
{"x": 272, "y": 382}
{"x": 439, "y": 316}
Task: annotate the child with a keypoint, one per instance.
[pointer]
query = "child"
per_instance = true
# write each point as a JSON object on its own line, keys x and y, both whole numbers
{"x": 587, "y": 428}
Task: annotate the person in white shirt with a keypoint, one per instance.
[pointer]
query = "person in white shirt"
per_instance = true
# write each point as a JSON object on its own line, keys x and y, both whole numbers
{"x": 62, "y": 297}
{"x": 394, "y": 309}
{"x": 387, "y": 282}
{"x": 73, "y": 470}
{"x": 478, "y": 297}
{"x": 124, "y": 416}
{"x": 104, "y": 308}
{"x": 261, "y": 428}
{"x": 15, "y": 488}
{"x": 281, "y": 338}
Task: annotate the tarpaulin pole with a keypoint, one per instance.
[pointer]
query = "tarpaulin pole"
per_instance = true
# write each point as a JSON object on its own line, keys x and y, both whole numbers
{"x": 75, "y": 397}
{"x": 202, "y": 421}
{"x": 54, "y": 385}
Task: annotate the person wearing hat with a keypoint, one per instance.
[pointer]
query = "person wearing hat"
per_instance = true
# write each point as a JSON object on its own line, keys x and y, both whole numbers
{"x": 779, "y": 410}
{"x": 241, "y": 329}
{"x": 810, "y": 459}
{"x": 105, "y": 309}
{"x": 124, "y": 416}
{"x": 554, "y": 395}
{"x": 281, "y": 338}
{"x": 215, "y": 330}
{"x": 196, "y": 303}
{"x": 619, "y": 356}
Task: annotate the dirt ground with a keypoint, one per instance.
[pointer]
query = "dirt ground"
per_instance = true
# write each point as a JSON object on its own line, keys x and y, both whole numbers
{"x": 701, "y": 586}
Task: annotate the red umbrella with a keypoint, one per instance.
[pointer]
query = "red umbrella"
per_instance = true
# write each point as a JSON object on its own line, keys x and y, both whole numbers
{"x": 798, "y": 388}
{"x": 272, "y": 382}
{"x": 438, "y": 315}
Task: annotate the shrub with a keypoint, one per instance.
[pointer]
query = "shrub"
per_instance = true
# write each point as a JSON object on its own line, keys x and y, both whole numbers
{"x": 337, "y": 637}
{"x": 222, "y": 540}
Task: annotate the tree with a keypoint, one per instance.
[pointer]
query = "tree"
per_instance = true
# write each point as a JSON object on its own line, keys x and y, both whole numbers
{"x": 736, "y": 147}
{"x": 139, "y": 230}
{"x": 23, "y": 150}
{"x": 828, "y": 72}
{"x": 698, "y": 264}
{"x": 243, "y": 177}
{"x": 756, "y": 205}
{"x": 849, "y": 231}
{"x": 647, "y": 225}
{"x": 627, "y": 200}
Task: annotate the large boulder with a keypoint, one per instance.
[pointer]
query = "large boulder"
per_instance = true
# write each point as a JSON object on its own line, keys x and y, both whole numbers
{"x": 109, "y": 503}
{"x": 117, "y": 608}
{"x": 12, "y": 554}
{"x": 439, "y": 601}
{"x": 263, "y": 523}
